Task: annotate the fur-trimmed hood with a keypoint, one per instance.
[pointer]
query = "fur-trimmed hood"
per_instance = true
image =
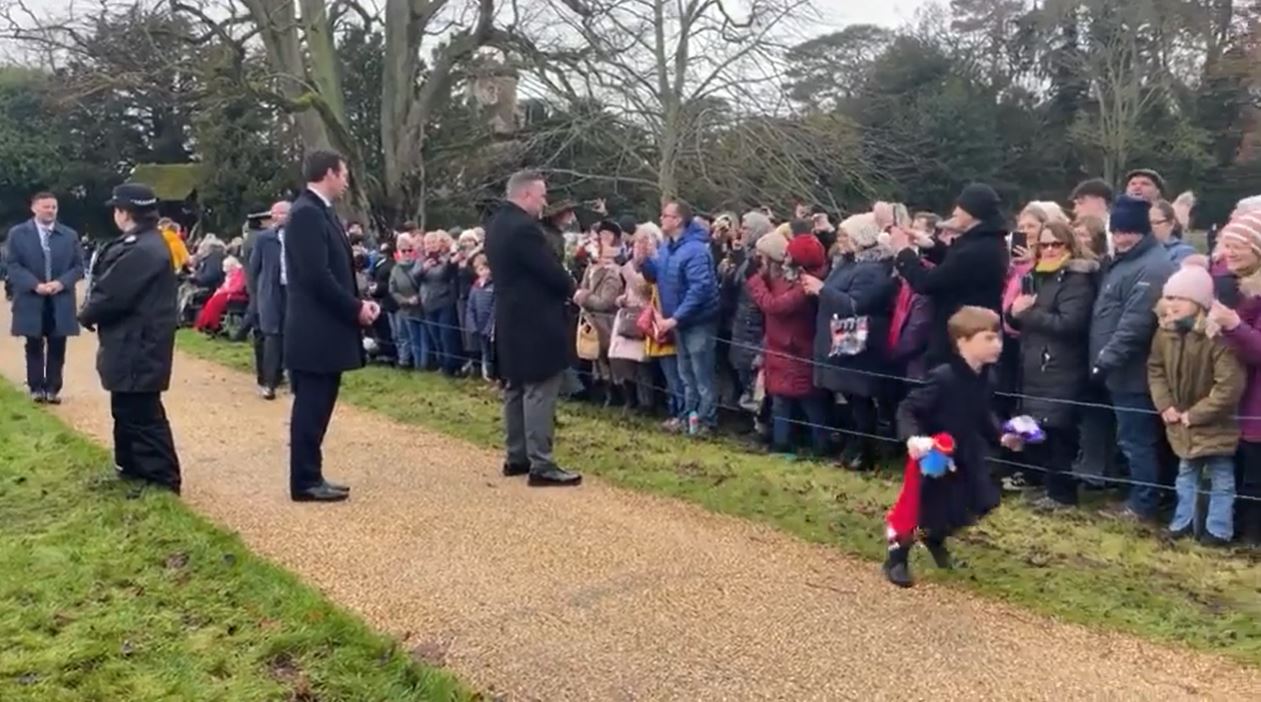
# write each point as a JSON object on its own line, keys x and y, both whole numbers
{"x": 879, "y": 252}
{"x": 1250, "y": 285}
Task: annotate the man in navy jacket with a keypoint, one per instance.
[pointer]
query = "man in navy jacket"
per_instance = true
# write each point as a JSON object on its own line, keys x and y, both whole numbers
{"x": 324, "y": 318}
{"x": 45, "y": 261}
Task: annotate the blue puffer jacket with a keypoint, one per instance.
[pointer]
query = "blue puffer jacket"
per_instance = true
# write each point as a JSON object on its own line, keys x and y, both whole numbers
{"x": 1124, "y": 319}
{"x": 687, "y": 282}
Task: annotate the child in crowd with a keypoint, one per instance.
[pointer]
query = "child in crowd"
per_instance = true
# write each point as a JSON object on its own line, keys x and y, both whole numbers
{"x": 955, "y": 399}
{"x": 1196, "y": 383}
{"x": 481, "y": 314}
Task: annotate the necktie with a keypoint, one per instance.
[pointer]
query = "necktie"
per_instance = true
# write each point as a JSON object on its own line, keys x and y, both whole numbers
{"x": 284, "y": 270}
{"x": 44, "y": 236}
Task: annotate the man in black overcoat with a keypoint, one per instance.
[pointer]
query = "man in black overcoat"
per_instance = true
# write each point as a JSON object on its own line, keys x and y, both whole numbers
{"x": 531, "y": 329}
{"x": 324, "y": 318}
{"x": 265, "y": 271}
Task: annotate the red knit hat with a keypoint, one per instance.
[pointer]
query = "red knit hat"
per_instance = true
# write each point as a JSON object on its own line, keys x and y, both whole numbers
{"x": 806, "y": 251}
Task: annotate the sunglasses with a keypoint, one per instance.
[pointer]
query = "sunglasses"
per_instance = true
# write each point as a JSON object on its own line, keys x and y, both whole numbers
{"x": 1051, "y": 244}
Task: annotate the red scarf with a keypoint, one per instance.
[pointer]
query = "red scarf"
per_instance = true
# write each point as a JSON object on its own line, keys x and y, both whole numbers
{"x": 901, "y": 311}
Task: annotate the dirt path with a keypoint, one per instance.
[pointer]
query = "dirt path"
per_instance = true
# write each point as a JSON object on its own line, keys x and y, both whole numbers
{"x": 602, "y": 594}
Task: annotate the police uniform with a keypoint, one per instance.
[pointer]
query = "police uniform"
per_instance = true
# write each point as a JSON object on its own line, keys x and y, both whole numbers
{"x": 131, "y": 305}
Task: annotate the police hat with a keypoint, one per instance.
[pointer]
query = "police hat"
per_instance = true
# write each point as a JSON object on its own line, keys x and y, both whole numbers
{"x": 133, "y": 196}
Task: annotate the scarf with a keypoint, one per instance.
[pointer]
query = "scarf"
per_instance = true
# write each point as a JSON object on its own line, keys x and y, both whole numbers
{"x": 1051, "y": 266}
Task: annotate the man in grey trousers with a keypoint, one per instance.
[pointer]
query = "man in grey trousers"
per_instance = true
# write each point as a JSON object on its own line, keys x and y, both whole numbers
{"x": 531, "y": 332}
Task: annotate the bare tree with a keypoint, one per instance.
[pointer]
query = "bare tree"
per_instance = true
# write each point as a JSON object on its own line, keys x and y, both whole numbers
{"x": 664, "y": 64}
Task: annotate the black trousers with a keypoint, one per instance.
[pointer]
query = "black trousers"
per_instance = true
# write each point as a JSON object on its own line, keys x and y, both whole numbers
{"x": 1248, "y": 507}
{"x": 45, "y": 356}
{"x": 268, "y": 358}
{"x": 143, "y": 445}
{"x": 1056, "y": 455}
{"x": 314, "y": 397}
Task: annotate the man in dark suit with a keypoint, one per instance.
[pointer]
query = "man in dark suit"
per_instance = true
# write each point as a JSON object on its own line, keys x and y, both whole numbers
{"x": 45, "y": 261}
{"x": 531, "y": 329}
{"x": 323, "y": 321}
{"x": 266, "y": 274}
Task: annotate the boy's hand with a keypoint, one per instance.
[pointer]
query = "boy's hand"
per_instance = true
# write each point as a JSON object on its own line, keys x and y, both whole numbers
{"x": 1171, "y": 415}
{"x": 1013, "y": 442}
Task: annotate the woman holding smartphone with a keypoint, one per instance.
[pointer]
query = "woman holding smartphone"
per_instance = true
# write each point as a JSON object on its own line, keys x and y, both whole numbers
{"x": 1053, "y": 318}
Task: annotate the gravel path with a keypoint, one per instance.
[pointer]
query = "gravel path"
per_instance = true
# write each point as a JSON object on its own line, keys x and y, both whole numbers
{"x": 603, "y": 594}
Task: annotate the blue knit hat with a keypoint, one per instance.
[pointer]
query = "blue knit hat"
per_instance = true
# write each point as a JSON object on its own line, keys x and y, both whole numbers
{"x": 1131, "y": 215}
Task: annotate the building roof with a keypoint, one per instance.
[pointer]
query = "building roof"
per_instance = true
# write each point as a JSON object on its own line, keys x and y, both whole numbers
{"x": 171, "y": 181}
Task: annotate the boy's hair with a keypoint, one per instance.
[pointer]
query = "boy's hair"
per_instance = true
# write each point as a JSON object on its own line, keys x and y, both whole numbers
{"x": 970, "y": 321}
{"x": 481, "y": 260}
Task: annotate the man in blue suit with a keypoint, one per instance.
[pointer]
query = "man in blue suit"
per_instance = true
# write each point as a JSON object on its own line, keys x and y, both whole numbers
{"x": 44, "y": 261}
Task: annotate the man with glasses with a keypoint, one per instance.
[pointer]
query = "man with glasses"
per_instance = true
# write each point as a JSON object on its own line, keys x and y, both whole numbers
{"x": 688, "y": 289}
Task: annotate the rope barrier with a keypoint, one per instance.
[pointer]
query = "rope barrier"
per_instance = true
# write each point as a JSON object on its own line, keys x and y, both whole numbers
{"x": 887, "y": 439}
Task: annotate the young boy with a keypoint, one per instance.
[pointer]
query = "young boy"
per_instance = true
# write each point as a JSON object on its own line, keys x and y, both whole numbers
{"x": 955, "y": 399}
{"x": 481, "y": 314}
{"x": 1196, "y": 383}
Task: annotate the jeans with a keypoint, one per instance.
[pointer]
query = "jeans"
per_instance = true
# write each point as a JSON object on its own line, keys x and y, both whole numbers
{"x": 444, "y": 338}
{"x": 697, "y": 349}
{"x": 674, "y": 387}
{"x": 418, "y": 341}
{"x": 815, "y": 409}
{"x": 1221, "y": 502}
{"x": 402, "y": 339}
{"x": 1137, "y": 435}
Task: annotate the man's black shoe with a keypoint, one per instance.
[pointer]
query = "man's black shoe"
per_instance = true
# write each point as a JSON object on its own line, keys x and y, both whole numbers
{"x": 554, "y": 477}
{"x": 319, "y": 493}
{"x": 269, "y": 393}
{"x": 38, "y": 397}
{"x": 52, "y": 398}
{"x": 512, "y": 470}
{"x": 335, "y": 486}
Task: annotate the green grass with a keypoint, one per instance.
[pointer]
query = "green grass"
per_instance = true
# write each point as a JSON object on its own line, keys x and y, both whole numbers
{"x": 108, "y": 592}
{"x": 1076, "y": 566}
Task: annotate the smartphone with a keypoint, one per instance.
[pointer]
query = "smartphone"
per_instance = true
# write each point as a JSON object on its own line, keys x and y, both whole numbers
{"x": 1026, "y": 284}
{"x": 1019, "y": 241}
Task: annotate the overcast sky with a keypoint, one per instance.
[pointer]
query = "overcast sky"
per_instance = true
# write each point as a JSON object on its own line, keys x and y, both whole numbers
{"x": 836, "y": 13}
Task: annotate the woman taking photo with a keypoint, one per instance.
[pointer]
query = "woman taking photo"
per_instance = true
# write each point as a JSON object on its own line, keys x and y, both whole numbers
{"x": 1053, "y": 318}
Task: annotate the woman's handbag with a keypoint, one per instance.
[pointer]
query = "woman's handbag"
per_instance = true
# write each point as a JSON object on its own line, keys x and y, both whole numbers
{"x": 626, "y": 324}
{"x": 588, "y": 339}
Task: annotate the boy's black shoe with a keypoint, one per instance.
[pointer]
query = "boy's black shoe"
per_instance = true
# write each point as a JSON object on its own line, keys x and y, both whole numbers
{"x": 896, "y": 569}
{"x": 940, "y": 554}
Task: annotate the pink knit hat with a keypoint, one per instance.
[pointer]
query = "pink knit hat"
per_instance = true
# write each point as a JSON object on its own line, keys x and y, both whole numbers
{"x": 1191, "y": 282}
{"x": 1244, "y": 229}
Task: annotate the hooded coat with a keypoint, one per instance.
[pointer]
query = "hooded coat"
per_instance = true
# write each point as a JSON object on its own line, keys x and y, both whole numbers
{"x": 1054, "y": 333}
{"x": 863, "y": 287}
{"x": 1201, "y": 376}
{"x": 1245, "y": 339}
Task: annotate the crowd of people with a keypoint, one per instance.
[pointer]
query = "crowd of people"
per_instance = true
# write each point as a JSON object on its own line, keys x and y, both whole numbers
{"x": 1139, "y": 355}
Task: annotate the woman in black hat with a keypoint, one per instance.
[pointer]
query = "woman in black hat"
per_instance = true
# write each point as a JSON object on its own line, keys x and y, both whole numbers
{"x": 131, "y": 305}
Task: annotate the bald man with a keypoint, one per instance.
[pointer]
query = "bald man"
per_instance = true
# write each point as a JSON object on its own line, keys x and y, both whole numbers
{"x": 268, "y": 280}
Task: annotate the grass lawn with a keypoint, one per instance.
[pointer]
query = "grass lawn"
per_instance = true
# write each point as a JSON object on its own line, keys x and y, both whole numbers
{"x": 112, "y": 593}
{"x": 1078, "y": 566}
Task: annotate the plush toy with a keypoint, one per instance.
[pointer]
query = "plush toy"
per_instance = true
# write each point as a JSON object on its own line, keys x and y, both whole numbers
{"x": 934, "y": 461}
{"x": 1026, "y": 428}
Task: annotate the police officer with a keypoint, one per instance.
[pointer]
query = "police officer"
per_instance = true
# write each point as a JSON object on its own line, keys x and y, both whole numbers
{"x": 131, "y": 305}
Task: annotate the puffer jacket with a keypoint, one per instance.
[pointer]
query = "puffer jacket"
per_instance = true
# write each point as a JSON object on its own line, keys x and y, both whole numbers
{"x": 1202, "y": 377}
{"x": 1245, "y": 339}
{"x": 864, "y": 287}
{"x": 1054, "y": 332}
{"x": 1123, "y": 323}
{"x": 789, "y": 315}
{"x": 686, "y": 279}
{"x": 747, "y": 323}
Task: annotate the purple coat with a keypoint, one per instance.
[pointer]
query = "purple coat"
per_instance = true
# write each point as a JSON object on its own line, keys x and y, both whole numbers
{"x": 1245, "y": 339}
